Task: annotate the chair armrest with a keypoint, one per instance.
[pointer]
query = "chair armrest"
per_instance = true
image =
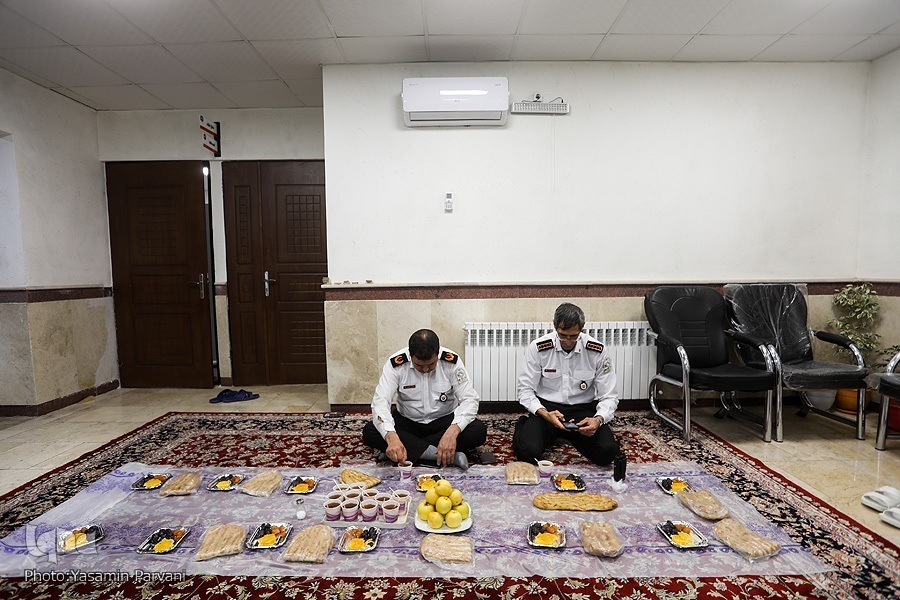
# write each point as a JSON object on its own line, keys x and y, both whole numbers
{"x": 743, "y": 338}
{"x": 665, "y": 340}
{"x": 892, "y": 364}
{"x": 833, "y": 338}
{"x": 840, "y": 340}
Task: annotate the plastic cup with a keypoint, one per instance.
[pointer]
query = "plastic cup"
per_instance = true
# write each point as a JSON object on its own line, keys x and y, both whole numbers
{"x": 544, "y": 467}
{"x": 353, "y": 495}
{"x": 405, "y": 469}
{"x": 369, "y": 494}
{"x": 369, "y": 510}
{"x": 391, "y": 510}
{"x": 341, "y": 487}
{"x": 381, "y": 498}
{"x": 359, "y": 485}
{"x": 336, "y": 495}
{"x": 350, "y": 510}
{"x": 402, "y": 498}
{"x": 332, "y": 510}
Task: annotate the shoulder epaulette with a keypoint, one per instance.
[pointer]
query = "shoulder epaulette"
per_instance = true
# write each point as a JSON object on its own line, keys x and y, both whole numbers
{"x": 399, "y": 359}
{"x": 545, "y": 345}
{"x": 595, "y": 346}
{"x": 450, "y": 357}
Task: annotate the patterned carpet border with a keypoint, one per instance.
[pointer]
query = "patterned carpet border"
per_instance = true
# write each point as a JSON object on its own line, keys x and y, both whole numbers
{"x": 866, "y": 565}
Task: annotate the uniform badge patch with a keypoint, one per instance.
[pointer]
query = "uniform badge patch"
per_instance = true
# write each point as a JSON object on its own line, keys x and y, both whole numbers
{"x": 607, "y": 366}
{"x": 583, "y": 385}
{"x": 450, "y": 357}
{"x": 545, "y": 345}
{"x": 399, "y": 359}
{"x": 461, "y": 376}
{"x": 595, "y": 346}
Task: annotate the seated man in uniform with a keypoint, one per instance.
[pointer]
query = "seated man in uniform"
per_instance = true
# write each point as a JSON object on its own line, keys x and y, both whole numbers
{"x": 567, "y": 384}
{"x": 434, "y": 419}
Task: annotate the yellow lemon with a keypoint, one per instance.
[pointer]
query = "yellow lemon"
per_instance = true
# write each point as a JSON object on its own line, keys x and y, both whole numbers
{"x": 463, "y": 510}
{"x": 431, "y": 496}
{"x": 443, "y": 505}
{"x": 435, "y": 520}
{"x": 443, "y": 487}
{"x": 455, "y": 497}
{"x": 453, "y": 519}
{"x": 424, "y": 510}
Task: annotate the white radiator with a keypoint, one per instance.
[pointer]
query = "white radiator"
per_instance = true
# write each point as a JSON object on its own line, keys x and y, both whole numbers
{"x": 494, "y": 354}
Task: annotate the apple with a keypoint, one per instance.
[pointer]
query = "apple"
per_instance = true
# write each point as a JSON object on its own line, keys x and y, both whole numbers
{"x": 424, "y": 510}
{"x": 453, "y": 519}
{"x": 431, "y": 496}
{"x": 455, "y": 497}
{"x": 443, "y": 505}
{"x": 443, "y": 487}
{"x": 463, "y": 510}
{"x": 435, "y": 520}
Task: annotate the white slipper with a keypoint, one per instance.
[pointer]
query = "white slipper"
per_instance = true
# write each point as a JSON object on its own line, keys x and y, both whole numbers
{"x": 882, "y": 499}
{"x": 892, "y": 517}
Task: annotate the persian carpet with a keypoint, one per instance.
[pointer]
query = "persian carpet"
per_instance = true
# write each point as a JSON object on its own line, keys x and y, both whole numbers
{"x": 865, "y": 564}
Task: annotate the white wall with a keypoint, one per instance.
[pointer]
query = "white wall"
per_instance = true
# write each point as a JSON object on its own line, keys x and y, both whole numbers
{"x": 12, "y": 253}
{"x": 880, "y": 213}
{"x": 61, "y": 186}
{"x": 662, "y": 172}
{"x": 258, "y": 134}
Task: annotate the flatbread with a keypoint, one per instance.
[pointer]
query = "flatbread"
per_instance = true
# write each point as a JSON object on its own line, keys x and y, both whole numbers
{"x": 353, "y": 476}
{"x": 703, "y": 504}
{"x": 566, "y": 501}
{"x": 601, "y": 539}
{"x": 750, "y": 545}
{"x": 221, "y": 540}
{"x": 263, "y": 484}
{"x": 310, "y": 545}
{"x": 521, "y": 473}
{"x": 446, "y": 548}
{"x": 182, "y": 485}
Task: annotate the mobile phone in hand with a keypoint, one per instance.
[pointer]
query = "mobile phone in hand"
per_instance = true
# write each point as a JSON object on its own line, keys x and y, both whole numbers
{"x": 570, "y": 425}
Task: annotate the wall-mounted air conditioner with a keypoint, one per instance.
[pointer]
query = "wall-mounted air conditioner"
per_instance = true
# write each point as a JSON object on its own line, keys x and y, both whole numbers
{"x": 455, "y": 101}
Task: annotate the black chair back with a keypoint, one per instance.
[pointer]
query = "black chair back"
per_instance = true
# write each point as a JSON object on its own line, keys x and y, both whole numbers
{"x": 693, "y": 315}
{"x": 774, "y": 312}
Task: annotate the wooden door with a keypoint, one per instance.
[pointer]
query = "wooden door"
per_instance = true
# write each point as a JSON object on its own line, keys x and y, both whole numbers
{"x": 158, "y": 240}
{"x": 276, "y": 254}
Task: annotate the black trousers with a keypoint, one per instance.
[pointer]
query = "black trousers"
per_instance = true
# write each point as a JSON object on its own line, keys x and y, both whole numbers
{"x": 418, "y": 436}
{"x": 533, "y": 434}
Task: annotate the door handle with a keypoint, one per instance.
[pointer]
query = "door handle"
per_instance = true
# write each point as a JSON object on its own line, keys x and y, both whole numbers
{"x": 202, "y": 287}
{"x": 266, "y": 281}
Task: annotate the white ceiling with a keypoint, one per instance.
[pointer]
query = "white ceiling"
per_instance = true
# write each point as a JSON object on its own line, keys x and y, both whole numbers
{"x": 163, "y": 54}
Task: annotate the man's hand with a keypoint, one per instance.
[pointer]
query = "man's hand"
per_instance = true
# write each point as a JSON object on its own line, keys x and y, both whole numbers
{"x": 396, "y": 451}
{"x": 589, "y": 425}
{"x": 554, "y": 417}
{"x": 446, "y": 448}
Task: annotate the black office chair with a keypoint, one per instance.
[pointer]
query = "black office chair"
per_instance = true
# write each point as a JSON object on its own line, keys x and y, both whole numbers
{"x": 689, "y": 324}
{"x": 888, "y": 387}
{"x": 777, "y": 313}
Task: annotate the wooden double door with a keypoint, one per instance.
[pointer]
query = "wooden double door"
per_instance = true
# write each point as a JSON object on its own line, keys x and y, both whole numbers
{"x": 276, "y": 259}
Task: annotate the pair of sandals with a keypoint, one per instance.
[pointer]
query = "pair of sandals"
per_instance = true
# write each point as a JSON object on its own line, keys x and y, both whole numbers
{"x": 229, "y": 395}
{"x": 885, "y": 500}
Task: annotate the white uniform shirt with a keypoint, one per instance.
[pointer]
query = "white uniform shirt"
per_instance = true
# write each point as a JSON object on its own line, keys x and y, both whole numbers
{"x": 583, "y": 375}
{"x": 424, "y": 397}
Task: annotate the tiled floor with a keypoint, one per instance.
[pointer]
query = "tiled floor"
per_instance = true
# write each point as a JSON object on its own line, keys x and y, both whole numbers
{"x": 818, "y": 454}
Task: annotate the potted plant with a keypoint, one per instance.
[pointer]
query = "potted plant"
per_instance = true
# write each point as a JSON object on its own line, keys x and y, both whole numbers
{"x": 857, "y": 307}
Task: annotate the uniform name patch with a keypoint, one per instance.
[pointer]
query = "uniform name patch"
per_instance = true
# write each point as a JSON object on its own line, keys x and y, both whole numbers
{"x": 549, "y": 370}
{"x": 595, "y": 346}
{"x": 409, "y": 387}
